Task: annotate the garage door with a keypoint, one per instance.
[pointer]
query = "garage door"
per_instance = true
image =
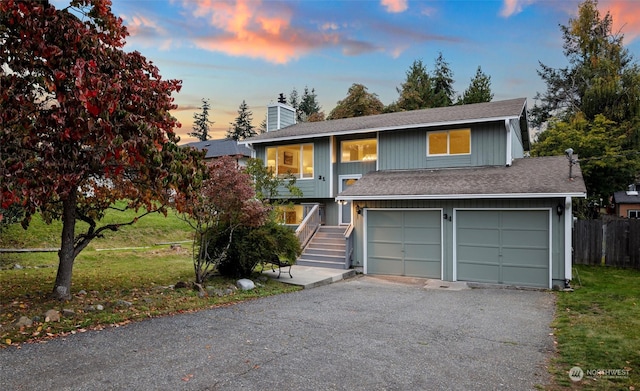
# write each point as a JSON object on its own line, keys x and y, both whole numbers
{"x": 503, "y": 247}
{"x": 404, "y": 243}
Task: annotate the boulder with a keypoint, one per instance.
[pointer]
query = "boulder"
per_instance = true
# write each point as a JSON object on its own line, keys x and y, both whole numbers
{"x": 245, "y": 284}
{"x": 52, "y": 316}
{"x": 24, "y": 321}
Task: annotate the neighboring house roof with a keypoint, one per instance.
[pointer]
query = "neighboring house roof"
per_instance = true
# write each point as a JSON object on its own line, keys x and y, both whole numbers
{"x": 622, "y": 197}
{"x": 441, "y": 116}
{"x": 538, "y": 177}
{"x": 219, "y": 148}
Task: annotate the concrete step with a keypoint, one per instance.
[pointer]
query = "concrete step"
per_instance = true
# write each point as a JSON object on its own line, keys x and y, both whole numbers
{"x": 318, "y": 263}
{"x": 328, "y": 251}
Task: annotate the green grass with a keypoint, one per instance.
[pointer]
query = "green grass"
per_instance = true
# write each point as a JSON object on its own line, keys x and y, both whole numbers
{"x": 142, "y": 275}
{"x": 598, "y": 327}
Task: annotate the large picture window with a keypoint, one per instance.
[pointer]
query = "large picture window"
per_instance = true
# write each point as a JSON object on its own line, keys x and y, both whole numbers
{"x": 450, "y": 142}
{"x": 363, "y": 150}
{"x": 295, "y": 160}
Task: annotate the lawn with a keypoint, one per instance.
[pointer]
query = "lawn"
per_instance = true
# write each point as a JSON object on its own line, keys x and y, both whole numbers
{"x": 127, "y": 276}
{"x": 597, "y": 328}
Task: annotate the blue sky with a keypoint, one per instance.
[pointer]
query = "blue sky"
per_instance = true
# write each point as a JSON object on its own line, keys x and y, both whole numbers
{"x": 252, "y": 50}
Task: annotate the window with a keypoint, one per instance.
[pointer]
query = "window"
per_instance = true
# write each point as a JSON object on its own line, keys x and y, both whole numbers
{"x": 364, "y": 150}
{"x": 633, "y": 214}
{"x": 289, "y": 214}
{"x": 450, "y": 142}
{"x": 296, "y": 160}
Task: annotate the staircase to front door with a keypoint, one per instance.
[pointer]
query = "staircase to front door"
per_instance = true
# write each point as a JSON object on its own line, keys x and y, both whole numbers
{"x": 327, "y": 248}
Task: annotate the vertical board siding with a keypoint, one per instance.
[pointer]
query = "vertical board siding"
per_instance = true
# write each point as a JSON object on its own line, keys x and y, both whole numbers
{"x": 407, "y": 149}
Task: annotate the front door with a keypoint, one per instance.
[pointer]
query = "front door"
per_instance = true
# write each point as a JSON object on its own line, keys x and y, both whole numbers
{"x": 345, "y": 207}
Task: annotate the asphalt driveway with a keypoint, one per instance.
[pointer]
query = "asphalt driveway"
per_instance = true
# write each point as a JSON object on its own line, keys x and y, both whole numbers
{"x": 364, "y": 333}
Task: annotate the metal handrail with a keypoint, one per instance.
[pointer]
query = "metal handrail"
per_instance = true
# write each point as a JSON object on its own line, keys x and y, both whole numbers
{"x": 308, "y": 226}
{"x": 348, "y": 237}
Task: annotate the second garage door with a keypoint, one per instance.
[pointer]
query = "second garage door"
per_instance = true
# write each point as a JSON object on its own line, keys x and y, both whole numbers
{"x": 504, "y": 247}
{"x": 405, "y": 243}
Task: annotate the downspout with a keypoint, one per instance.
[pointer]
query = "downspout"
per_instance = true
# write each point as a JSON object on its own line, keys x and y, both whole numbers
{"x": 568, "y": 241}
{"x": 509, "y": 147}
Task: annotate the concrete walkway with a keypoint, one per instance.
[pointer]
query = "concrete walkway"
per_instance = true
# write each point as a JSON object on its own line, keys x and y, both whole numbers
{"x": 310, "y": 277}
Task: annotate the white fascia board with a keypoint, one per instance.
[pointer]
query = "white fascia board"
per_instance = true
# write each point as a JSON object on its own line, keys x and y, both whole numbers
{"x": 459, "y": 196}
{"x": 381, "y": 129}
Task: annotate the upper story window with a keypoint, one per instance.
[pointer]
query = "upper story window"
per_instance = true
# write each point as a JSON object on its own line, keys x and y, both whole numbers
{"x": 363, "y": 150}
{"x": 296, "y": 160}
{"x": 449, "y": 142}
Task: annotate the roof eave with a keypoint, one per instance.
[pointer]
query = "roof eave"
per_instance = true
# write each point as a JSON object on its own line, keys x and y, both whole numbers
{"x": 379, "y": 129}
{"x": 460, "y": 196}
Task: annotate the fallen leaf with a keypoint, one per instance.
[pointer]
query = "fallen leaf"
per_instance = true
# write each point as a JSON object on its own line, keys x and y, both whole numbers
{"x": 8, "y": 341}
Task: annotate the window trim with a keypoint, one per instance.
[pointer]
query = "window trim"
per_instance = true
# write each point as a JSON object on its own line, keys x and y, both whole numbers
{"x": 635, "y": 211}
{"x": 448, "y": 133}
{"x": 300, "y": 176}
{"x": 374, "y": 139}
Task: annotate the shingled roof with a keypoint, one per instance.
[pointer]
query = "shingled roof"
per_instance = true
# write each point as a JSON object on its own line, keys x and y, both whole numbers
{"x": 218, "y": 148}
{"x": 525, "y": 178}
{"x": 462, "y": 114}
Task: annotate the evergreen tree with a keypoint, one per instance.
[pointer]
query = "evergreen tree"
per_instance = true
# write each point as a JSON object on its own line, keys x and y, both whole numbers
{"x": 601, "y": 77}
{"x": 478, "y": 91}
{"x": 201, "y": 122}
{"x": 308, "y": 105}
{"x": 359, "y": 102}
{"x": 417, "y": 90}
{"x": 442, "y": 81}
{"x": 294, "y": 99}
{"x": 242, "y": 127}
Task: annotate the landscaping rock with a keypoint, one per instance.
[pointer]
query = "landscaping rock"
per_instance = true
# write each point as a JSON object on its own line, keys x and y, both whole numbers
{"x": 90, "y": 308}
{"x": 123, "y": 303}
{"x": 245, "y": 284}
{"x": 68, "y": 313}
{"x": 82, "y": 293}
{"x": 18, "y": 267}
{"x": 52, "y": 316}
{"x": 24, "y": 321}
{"x": 180, "y": 285}
{"x": 263, "y": 278}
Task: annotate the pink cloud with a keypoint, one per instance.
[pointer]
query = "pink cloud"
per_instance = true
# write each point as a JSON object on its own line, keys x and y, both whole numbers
{"x": 394, "y": 6}
{"x": 147, "y": 31}
{"x": 513, "y": 7}
{"x": 247, "y": 28}
{"x": 626, "y": 17}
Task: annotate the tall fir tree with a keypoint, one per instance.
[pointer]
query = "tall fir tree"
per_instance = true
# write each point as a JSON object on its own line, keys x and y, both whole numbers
{"x": 358, "y": 103}
{"x": 308, "y": 105}
{"x": 442, "y": 80}
{"x": 416, "y": 92}
{"x": 479, "y": 89}
{"x": 242, "y": 127}
{"x": 201, "y": 122}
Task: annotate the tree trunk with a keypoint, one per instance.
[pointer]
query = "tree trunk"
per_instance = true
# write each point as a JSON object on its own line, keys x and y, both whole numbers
{"x": 66, "y": 255}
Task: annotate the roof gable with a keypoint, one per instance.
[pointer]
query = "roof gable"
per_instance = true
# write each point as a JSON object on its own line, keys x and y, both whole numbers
{"x": 461, "y": 114}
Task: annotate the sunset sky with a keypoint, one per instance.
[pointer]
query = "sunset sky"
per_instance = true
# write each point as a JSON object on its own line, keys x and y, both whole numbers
{"x": 233, "y": 50}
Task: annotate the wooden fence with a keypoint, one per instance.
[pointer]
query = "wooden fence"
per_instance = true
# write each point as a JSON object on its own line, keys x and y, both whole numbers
{"x": 611, "y": 242}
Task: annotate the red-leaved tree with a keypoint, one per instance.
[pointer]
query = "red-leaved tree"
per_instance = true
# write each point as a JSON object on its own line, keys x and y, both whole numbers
{"x": 226, "y": 201}
{"x": 83, "y": 123}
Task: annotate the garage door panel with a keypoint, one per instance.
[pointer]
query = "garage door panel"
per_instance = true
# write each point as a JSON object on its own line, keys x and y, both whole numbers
{"x": 531, "y": 219}
{"x": 478, "y": 272}
{"x": 478, "y": 253}
{"x": 526, "y": 257}
{"x": 477, "y": 219}
{"x": 533, "y": 238}
{"x": 526, "y": 276}
{"x": 391, "y": 266}
{"x": 478, "y": 236}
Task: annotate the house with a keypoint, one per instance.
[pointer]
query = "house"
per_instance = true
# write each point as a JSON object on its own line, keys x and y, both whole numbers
{"x": 224, "y": 147}
{"x": 444, "y": 193}
{"x": 627, "y": 203}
